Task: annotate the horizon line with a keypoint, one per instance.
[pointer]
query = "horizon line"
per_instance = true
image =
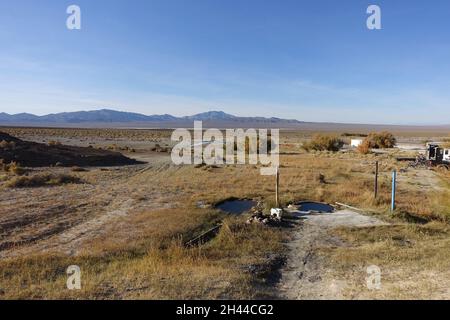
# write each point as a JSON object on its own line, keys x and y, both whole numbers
{"x": 221, "y": 111}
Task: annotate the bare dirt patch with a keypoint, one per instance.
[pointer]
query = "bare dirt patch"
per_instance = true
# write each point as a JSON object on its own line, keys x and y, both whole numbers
{"x": 304, "y": 276}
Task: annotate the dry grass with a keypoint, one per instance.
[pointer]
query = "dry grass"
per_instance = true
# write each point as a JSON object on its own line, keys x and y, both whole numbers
{"x": 413, "y": 259}
{"x": 154, "y": 266}
{"x": 41, "y": 180}
{"x": 13, "y": 168}
{"x": 348, "y": 178}
{"x": 78, "y": 133}
{"x": 446, "y": 143}
{"x": 364, "y": 147}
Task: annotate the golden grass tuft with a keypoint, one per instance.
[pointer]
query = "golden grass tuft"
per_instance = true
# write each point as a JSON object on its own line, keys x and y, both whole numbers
{"x": 41, "y": 180}
{"x": 12, "y": 167}
{"x": 364, "y": 147}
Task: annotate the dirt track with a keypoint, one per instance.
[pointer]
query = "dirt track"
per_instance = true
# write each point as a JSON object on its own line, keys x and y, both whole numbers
{"x": 304, "y": 277}
{"x": 31, "y": 220}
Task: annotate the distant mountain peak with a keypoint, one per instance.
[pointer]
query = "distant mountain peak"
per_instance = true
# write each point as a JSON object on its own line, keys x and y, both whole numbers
{"x": 212, "y": 115}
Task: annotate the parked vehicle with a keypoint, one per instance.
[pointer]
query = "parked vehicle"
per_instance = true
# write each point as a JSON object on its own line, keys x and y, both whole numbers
{"x": 438, "y": 156}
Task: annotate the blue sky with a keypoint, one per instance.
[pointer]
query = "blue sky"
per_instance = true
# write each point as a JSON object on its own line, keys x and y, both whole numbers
{"x": 309, "y": 60}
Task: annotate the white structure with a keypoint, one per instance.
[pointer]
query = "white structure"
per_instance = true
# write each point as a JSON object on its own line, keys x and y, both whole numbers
{"x": 446, "y": 157}
{"x": 355, "y": 143}
{"x": 276, "y": 213}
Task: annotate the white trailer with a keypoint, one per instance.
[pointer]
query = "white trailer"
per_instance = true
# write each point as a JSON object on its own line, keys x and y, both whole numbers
{"x": 354, "y": 143}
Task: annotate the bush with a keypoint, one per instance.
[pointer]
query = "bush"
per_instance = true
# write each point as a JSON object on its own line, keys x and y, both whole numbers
{"x": 12, "y": 167}
{"x": 7, "y": 145}
{"x": 364, "y": 147}
{"x": 381, "y": 140}
{"x": 15, "y": 168}
{"x": 322, "y": 142}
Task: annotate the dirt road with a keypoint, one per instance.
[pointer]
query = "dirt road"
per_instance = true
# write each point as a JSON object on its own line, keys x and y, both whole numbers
{"x": 304, "y": 275}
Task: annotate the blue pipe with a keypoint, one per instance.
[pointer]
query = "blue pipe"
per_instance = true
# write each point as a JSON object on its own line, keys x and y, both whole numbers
{"x": 394, "y": 187}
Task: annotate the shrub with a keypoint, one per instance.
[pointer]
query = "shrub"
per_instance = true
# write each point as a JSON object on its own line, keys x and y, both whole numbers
{"x": 322, "y": 142}
{"x": 15, "y": 168}
{"x": 381, "y": 140}
{"x": 12, "y": 167}
{"x": 364, "y": 147}
{"x": 7, "y": 145}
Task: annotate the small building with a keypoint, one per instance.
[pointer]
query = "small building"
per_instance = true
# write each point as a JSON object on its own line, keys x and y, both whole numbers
{"x": 355, "y": 143}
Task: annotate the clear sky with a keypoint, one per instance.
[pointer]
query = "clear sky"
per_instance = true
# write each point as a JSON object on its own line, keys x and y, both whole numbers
{"x": 309, "y": 60}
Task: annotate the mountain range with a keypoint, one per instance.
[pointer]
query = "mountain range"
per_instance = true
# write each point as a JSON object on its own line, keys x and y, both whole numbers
{"x": 112, "y": 116}
{"x": 106, "y": 118}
